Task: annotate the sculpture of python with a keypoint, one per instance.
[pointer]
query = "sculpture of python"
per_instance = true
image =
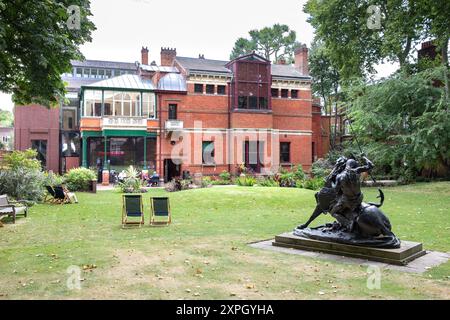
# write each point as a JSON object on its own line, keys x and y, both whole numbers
{"x": 370, "y": 222}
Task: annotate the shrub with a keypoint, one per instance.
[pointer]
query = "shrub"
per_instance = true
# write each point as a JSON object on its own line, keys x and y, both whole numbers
{"x": 314, "y": 183}
{"x": 132, "y": 183}
{"x": 268, "y": 182}
{"x": 246, "y": 181}
{"x": 23, "y": 183}
{"x": 225, "y": 176}
{"x": 299, "y": 174}
{"x": 22, "y": 159}
{"x": 287, "y": 179}
{"x": 220, "y": 182}
{"x": 78, "y": 179}
{"x": 185, "y": 184}
{"x": 321, "y": 168}
{"x": 53, "y": 179}
{"x": 300, "y": 183}
{"x": 172, "y": 186}
{"x": 206, "y": 182}
{"x": 177, "y": 185}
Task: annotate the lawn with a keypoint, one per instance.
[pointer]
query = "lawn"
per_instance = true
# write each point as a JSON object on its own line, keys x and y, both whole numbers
{"x": 204, "y": 253}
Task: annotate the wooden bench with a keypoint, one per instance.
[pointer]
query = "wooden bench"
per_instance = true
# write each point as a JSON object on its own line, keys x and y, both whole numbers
{"x": 11, "y": 208}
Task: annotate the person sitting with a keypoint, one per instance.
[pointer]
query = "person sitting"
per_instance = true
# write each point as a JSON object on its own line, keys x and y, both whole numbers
{"x": 154, "y": 179}
{"x": 71, "y": 195}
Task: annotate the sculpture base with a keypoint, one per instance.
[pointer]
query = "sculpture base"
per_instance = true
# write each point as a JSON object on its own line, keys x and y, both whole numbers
{"x": 326, "y": 233}
{"x": 407, "y": 252}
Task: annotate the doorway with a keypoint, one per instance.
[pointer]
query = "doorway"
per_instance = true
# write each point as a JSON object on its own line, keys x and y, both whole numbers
{"x": 171, "y": 170}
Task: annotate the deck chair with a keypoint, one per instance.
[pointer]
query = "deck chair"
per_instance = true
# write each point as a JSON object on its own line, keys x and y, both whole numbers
{"x": 50, "y": 195}
{"x": 60, "y": 195}
{"x": 12, "y": 208}
{"x": 132, "y": 208}
{"x": 160, "y": 211}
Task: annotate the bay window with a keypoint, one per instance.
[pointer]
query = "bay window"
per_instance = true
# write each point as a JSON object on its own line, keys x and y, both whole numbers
{"x": 92, "y": 103}
{"x": 119, "y": 103}
{"x": 148, "y": 105}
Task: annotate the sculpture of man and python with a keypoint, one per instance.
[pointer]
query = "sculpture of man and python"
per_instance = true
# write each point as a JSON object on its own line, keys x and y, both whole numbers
{"x": 357, "y": 223}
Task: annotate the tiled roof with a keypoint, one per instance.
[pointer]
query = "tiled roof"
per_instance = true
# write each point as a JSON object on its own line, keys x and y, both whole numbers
{"x": 218, "y": 66}
{"x": 205, "y": 65}
{"x": 104, "y": 64}
{"x": 286, "y": 71}
{"x": 125, "y": 81}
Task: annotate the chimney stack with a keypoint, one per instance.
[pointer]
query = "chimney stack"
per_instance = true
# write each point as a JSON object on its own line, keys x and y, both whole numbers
{"x": 144, "y": 55}
{"x": 168, "y": 55}
{"x": 301, "y": 59}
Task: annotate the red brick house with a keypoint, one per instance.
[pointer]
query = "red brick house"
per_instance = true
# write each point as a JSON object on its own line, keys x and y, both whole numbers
{"x": 193, "y": 115}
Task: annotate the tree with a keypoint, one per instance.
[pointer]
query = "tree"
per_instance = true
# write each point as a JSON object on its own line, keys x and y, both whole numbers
{"x": 38, "y": 39}
{"x": 360, "y": 34}
{"x": 325, "y": 80}
{"x": 6, "y": 118}
{"x": 271, "y": 43}
{"x": 404, "y": 122}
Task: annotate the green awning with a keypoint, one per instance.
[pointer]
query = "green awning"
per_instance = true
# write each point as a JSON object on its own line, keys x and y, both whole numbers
{"x": 117, "y": 133}
{"x": 128, "y": 133}
{"x": 89, "y": 134}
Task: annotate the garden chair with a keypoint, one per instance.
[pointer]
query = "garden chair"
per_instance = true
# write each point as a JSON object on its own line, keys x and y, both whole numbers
{"x": 11, "y": 208}
{"x": 50, "y": 195}
{"x": 160, "y": 208}
{"x": 132, "y": 207}
{"x": 60, "y": 194}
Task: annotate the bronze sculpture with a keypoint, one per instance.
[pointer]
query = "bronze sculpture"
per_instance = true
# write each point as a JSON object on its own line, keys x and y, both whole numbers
{"x": 357, "y": 222}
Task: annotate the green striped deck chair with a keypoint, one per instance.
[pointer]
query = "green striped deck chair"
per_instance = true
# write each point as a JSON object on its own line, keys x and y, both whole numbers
{"x": 132, "y": 210}
{"x": 160, "y": 214}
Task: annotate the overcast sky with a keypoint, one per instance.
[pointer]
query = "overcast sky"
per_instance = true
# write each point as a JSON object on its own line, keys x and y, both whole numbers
{"x": 193, "y": 27}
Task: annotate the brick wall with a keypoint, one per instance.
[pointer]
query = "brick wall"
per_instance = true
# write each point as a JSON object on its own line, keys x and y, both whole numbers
{"x": 35, "y": 122}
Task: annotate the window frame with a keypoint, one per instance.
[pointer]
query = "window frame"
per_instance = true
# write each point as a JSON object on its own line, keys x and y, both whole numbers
{"x": 219, "y": 89}
{"x": 205, "y": 144}
{"x": 210, "y": 86}
{"x": 197, "y": 86}
{"x": 296, "y": 91}
{"x": 288, "y": 143}
{"x": 170, "y": 109}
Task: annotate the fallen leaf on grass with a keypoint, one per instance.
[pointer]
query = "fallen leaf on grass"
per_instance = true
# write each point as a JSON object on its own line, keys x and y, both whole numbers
{"x": 89, "y": 267}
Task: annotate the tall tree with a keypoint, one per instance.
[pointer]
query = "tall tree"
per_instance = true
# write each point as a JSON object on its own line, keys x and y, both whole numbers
{"x": 272, "y": 43}
{"x": 6, "y": 118}
{"x": 360, "y": 34}
{"x": 37, "y": 41}
{"x": 325, "y": 81}
{"x": 404, "y": 122}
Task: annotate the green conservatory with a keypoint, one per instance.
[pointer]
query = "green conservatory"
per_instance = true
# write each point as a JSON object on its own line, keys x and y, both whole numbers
{"x": 116, "y": 123}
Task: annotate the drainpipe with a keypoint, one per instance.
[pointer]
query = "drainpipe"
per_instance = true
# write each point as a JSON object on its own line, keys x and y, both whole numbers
{"x": 159, "y": 115}
{"x": 229, "y": 128}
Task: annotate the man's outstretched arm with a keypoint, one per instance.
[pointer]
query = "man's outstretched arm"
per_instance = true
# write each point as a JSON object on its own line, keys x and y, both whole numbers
{"x": 365, "y": 168}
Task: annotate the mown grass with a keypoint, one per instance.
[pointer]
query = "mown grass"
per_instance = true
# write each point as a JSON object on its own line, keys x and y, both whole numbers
{"x": 204, "y": 253}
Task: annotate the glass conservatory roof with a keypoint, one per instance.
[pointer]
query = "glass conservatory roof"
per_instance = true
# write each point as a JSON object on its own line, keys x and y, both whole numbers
{"x": 125, "y": 81}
